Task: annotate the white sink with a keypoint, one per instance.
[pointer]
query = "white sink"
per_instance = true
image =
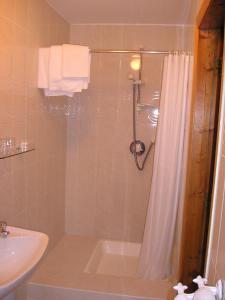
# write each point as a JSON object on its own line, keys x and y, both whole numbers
{"x": 20, "y": 252}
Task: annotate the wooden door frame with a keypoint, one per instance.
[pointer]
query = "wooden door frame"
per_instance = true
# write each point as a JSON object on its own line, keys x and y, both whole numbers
{"x": 210, "y": 17}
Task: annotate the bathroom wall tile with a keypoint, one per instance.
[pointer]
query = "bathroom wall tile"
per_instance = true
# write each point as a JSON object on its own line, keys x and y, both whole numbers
{"x": 32, "y": 185}
{"x": 106, "y": 196}
{"x": 37, "y": 11}
{"x": 112, "y": 37}
{"x": 19, "y": 56}
{"x": 21, "y": 13}
{"x": 6, "y": 197}
{"x": 7, "y": 9}
{"x": 6, "y": 48}
{"x": 90, "y": 35}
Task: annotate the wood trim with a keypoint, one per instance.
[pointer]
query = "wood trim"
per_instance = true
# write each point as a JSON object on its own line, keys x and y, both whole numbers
{"x": 194, "y": 87}
{"x": 211, "y": 15}
{"x": 202, "y": 12}
{"x": 203, "y": 127}
{"x": 203, "y": 130}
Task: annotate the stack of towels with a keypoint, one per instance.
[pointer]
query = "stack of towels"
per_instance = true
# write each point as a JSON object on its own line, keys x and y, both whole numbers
{"x": 64, "y": 70}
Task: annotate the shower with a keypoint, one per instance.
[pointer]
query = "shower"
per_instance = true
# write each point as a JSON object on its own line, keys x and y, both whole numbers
{"x": 137, "y": 147}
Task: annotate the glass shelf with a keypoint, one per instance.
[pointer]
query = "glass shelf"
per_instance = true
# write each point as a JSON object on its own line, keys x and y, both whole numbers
{"x": 16, "y": 151}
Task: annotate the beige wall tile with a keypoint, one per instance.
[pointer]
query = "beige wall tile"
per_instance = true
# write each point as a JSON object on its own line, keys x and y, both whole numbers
{"x": 105, "y": 194}
{"x": 32, "y": 186}
{"x": 7, "y": 9}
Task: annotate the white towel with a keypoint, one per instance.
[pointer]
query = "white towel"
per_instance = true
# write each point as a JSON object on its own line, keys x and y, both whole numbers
{"x": 75, "y": 61}
{"x": 49, "y": 93}
{"x": 73, "y": 85}
{"x": 43, "y": 66}
{"x": 55, "y": 68}
{"x": 57, "y": 82}
{"x": 51, "y": 65}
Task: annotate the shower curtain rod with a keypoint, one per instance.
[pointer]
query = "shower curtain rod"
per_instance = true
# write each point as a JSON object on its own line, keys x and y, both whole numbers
{"x": 141, "y": 51}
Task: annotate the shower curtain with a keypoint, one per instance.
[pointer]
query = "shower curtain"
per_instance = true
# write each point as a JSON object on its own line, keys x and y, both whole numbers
{"x": 168, "y": 168}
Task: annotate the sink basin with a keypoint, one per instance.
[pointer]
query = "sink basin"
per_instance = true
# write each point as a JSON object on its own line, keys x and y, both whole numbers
{"x": 19, "y": 254}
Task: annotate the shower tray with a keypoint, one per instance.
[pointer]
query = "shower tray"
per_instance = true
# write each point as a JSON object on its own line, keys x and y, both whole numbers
{"x": 107, "y": 273}
{"x": 114, "y": 258}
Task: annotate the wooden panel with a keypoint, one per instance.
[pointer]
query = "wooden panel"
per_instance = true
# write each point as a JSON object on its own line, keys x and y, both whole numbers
{"x": 203, "y": 131}
{"x": 214, "y": 16}
{"x": 202, "y": 12}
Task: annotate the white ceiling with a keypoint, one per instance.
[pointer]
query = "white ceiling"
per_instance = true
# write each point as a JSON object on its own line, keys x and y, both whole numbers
{"x": 126, "y": 11}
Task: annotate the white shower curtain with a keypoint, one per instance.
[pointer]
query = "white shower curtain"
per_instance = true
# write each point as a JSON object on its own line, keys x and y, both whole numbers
{"x": 168, "y": 169}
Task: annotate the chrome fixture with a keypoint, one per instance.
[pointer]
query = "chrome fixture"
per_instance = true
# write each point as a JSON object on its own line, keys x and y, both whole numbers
{"x": 137, "y": 147}
{"x": 3, "y": 229}
{"x": 140, "y": 51}
{"x": 154, "y": 113}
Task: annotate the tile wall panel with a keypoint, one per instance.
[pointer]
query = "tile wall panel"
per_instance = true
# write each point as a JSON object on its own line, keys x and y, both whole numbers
{"x": 32, "y": 186}
{"x": 106, "y": 196}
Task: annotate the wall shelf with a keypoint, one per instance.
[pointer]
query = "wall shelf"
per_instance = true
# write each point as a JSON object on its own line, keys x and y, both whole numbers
{"x": 16, "y": 151}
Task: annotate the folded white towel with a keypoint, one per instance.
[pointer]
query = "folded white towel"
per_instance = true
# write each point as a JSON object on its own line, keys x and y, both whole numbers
{"x": 73, "y": 85}
{"x": 43, "y": 68}
{"x": 49, "y": 93}
{"x": 52, "y": 62}
{"x": 57, "y": 82}
{"x": 55, "y": 68}
{"x": 75, "y": 61}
